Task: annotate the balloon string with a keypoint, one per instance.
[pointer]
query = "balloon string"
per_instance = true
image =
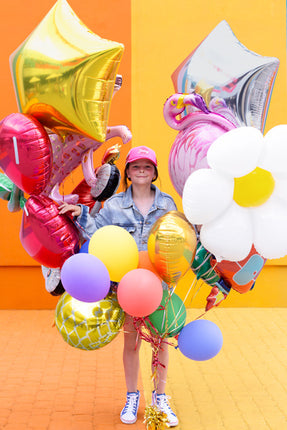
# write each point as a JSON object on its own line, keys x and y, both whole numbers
{"x": 198, "y": 289}
{"x": 189, "y": 290}
{"x": 176, "y": 316}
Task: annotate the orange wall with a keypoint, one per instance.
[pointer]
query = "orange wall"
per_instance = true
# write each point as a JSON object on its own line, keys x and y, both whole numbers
{"x": 21, "y": 282}
{"x": 157, "y": 36}
{"x": 164, "y": 33}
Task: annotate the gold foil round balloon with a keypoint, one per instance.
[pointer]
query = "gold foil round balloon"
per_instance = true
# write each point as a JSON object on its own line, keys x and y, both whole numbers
{"x": 64, "y": 74}
{"x": 171, "y": 246}
{"x": 89, "y": 326}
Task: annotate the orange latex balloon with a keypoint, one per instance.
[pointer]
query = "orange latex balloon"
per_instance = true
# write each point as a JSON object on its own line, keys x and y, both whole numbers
{"x": 145, "y": 263}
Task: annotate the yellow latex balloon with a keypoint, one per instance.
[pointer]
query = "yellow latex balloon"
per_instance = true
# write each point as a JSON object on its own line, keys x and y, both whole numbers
{"x": 171, "y": 246}
{"x": 253, "y": 189}
{"x": 117, "y": 249}
{"x": 89, "y": 326}
{"x": 64, "y": 74}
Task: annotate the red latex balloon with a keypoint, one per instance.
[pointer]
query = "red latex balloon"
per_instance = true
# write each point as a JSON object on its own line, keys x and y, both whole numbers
{"x": 25, "y": 152}
{"x": 139, "y": 292}
{"x": 46, "y": 236}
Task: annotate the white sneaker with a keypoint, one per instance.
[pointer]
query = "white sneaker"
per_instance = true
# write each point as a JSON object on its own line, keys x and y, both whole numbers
{"x": 53, "y": 282}
{"x": 130, "y": 410}
{"x": 161, "y": 401}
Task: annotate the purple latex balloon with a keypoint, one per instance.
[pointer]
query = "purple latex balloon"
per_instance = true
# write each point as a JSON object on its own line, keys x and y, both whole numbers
{"x": 85, "y": 278}
{"x": 200, "y": 340}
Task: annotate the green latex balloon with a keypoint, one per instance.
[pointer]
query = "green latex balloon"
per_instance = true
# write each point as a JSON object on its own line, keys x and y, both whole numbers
{"x": 170, "y": 316}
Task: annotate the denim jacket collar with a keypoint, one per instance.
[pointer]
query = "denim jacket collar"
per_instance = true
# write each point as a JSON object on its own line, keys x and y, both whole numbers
{"x": 128, "y": 198}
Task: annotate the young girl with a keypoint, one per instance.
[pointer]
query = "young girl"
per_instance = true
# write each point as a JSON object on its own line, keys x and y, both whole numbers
{"x": 135, "y": 210}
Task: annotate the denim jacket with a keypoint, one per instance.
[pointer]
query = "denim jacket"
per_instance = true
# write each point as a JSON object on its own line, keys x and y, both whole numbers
{"x": 121, "y": 210}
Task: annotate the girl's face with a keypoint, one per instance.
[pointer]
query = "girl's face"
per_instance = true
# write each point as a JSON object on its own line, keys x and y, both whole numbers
{"x": 141, "y": 172}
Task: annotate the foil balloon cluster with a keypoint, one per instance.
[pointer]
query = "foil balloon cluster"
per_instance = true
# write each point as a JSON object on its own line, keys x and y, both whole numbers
{"x": 64, "y": 77}
{"x": 221, "y": 87}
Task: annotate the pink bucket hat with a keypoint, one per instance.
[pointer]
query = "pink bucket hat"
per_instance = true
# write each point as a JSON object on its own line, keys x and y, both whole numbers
{"x": 141, "y": 152}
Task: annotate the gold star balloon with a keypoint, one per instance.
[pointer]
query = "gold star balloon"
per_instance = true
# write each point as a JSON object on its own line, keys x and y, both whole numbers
{"x": 64, "y": 74}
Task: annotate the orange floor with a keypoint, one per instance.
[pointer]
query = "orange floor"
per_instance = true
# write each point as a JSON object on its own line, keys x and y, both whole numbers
{"x": 45, "y": 384}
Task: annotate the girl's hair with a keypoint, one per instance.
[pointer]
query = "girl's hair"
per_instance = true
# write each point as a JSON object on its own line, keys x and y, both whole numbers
{"x": 125, "y": 178}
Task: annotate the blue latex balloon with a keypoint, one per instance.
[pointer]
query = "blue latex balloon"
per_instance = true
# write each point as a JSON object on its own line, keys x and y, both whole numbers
{"x": 200, "y": 340}
{"x": 85, "y": 247}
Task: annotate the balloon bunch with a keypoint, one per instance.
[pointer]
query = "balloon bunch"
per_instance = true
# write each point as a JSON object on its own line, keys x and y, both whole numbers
{"x": 218, "y": 161}
{"x": 65, "y": 77}
{"x": 111, "y": 268}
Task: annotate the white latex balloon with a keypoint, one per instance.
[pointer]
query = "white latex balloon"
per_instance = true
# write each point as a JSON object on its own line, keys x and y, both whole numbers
{"x": 280, "y": 190}
{"x": 270, "y": 228}
{"x": 206, "y": 194}
{"x": 229, "y": 236}
{"x": 236, "y": 153}
{"x": 274, "y": 156}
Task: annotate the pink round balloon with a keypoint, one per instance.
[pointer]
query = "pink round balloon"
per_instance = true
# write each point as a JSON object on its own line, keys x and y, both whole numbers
{"x": 139, "y": 292}
{"x": 46, "y": 236}
{"x": 25, "y": 152}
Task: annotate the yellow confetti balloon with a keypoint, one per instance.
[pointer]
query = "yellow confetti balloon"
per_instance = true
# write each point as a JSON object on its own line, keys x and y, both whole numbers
{"x": 89, "y": 326}
{"x": 64, "y": 74}
{"x": 171, "y": 246}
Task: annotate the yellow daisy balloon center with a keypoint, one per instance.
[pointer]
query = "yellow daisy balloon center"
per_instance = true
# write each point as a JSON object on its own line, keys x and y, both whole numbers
{"x": 253, "y": 189}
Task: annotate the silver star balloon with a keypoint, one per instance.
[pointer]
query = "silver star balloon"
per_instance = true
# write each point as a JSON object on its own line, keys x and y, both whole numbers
{"x": 234, "y": 81}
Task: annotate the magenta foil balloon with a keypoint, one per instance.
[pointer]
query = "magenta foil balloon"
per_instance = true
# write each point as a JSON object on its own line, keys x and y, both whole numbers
{"x": 46, "y": 236}
{"x": 85, "y": 277}
{"x": 198, "y": 129}
{"x": 189, "y": 150}
{"x": 25, "y": 152}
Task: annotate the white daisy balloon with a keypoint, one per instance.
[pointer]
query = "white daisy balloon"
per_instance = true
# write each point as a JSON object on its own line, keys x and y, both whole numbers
{"x": 242, "y": 199}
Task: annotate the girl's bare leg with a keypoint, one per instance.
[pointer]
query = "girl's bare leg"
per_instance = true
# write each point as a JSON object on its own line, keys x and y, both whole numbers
{"x": 132, "y": 344}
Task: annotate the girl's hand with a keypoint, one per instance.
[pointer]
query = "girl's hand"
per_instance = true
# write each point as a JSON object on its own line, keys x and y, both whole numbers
{"x": 74, "y": 209}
